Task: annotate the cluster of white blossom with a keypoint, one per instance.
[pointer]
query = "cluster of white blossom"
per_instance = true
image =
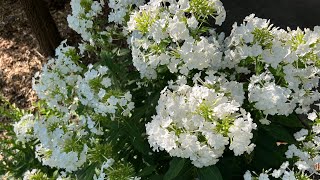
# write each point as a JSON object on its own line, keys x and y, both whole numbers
{"x": 66, "y": 87}
{"x": 220, "y": 82}
{"x": 63, "y": 85}
{"x": 242, "y": 42}
{"x": 306, "y": 153}
{"x": 120, "y": 8}
{"x": 105, "y": 165}
{"x": 38, "y": 174}
{"x": 24, "y": 128}
{"x": 284, "y": 172}
{"x": 198, "y": 122}
{"x": 108, "y": 165}
{"x": 58, "y": 139}
{"x": 163, "y": 36}
{"x": 304, "y": 156}
{"x": 28, "y": 174}
{"x": 268, "y": 97}
{"x": 94, "y": 91}
{"x": 87, "y": 19}
{"x": 83, "y": 15}
{"x": 283, "y": 65}
{"x": 58, "y": 78}
{"x": 34, "y": 174}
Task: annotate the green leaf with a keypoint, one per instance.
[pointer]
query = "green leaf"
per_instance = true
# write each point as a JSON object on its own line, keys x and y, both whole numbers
{"x": 176, "y": 165}
{"x": 156, "y": 177}
{"x": 291, "y": 121}
{"x": 230, "y": 165}
{"x": 87, "y": 172}
{"x": 55, "y": 174}
{"x": 147, "y": 171}
{"x": 279, "y": 133}
{"x": 187, "y": 172}
{"x": 123, "y": 52}
{"x": 266, "y": 154}
{"x": 134, "y": 133}
{"x": 209, "y": 173}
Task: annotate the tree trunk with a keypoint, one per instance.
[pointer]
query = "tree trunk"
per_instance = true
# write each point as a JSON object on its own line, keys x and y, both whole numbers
{"x": 42, "y": 24}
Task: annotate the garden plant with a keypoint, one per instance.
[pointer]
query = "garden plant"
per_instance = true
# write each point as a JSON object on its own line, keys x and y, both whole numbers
{"x": 154, "y": 91}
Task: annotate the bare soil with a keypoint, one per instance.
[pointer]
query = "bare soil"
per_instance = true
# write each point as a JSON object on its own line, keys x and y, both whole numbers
{"x": 20, "y": 57}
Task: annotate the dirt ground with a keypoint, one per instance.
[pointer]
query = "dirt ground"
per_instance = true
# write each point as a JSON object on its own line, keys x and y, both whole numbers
{"x": 20, "y": 57}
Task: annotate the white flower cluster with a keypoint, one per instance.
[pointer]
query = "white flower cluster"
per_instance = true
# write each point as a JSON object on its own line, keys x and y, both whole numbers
{"x": 163, "y": 36}
{"x": 284, "y": 65}
{"x": 220, "y": 82}
{"x": 83, "y": 14}
{"x": 33, "y": 174}
{"x": 198, "y": 122}
{"x": 62, "y": 85}
{"x": 284, "y": 172}
{"x": 108, "y": 165}
{"x": 66, "y": 87}
{"x": 70, "y": 161}
{"x": 306, "y": 152}
{"x": 58, "y": 77}
{"x": 105, "y": 165}
{"x": 59, "y": 142}
{"x": 120, "y": 8}
{"x": 23, "y": 128}
{"x": 269, "y": 97}
{"x": 57, "y": 136}
{"x": 304, "y": 156}
{"x": 94, "y": 91}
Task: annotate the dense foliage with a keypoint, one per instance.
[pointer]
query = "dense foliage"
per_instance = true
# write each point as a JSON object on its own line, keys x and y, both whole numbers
{"x": 169, "y": 97}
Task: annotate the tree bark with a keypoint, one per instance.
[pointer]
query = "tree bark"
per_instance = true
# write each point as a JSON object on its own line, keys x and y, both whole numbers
{"x": 42, "y": 24}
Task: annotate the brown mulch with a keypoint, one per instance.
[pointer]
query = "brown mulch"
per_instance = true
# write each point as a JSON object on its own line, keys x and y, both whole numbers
{"x": 20, "y": 57}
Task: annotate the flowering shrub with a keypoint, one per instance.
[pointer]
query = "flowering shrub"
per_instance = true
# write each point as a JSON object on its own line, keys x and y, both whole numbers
{"x": 169, "y": 97}
{"x": 163, "y": 37}
{"x": 197, "y": 123}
